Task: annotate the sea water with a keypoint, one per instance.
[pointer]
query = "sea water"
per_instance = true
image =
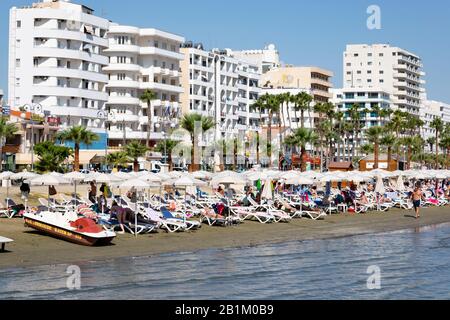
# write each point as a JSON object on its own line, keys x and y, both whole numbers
{"x": 409, "y": 264}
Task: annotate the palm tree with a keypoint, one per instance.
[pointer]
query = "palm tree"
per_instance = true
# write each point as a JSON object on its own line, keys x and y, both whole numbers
{"x": 373, "y": 135}
{"x": 258, "y": 106}
{"x": 188, "y": 123}
{"x": 431, "y": 141}
{"x": 118, "y": 159}
{"x": 302, "y": 102}
{"x": 7, "y": 130}
{"x": 339, "y": 117}
{"x": 147, "y": 97}
{"x": 438, "y": 125}
{"x": 302, "y": 137}
{"x": 389, "y": 141}
{"x": 135, "y": 150}
{"x": 271, "y": 104}
{"x": 78, "y": 135}
{"x": 445, "y": 145}
{"x": 167, "y": 146}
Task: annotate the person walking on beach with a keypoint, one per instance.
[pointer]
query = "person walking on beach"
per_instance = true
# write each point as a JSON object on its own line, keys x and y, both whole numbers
{"x": 417, "y": 196}
{"x": 25, "y": 190}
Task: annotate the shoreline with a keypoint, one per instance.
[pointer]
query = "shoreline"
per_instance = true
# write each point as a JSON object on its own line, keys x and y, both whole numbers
{"x": 30, "y": 248}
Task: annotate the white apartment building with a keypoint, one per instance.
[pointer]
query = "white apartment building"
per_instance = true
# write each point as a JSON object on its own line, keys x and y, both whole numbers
{"x": 56, "y": 60}
{"x": 391, "y": 69}
{"x": 141, "y": 59}
{"x": 218, "y": 85}
{"x": 431, "y": 110}
{"x": 266, "y": 59}
{"x": 367, "y": 98}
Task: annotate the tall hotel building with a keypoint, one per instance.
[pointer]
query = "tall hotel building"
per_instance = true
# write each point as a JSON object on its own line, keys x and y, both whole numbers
{"x": 141, "y": 59}
{"x": 56, "y": 57}
{"x": 220, "y": 86}
{"x": 391, "y": 69}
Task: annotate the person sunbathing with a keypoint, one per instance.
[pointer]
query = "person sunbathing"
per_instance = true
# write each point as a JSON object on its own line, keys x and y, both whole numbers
{"x": 363, "y": 199}
{"x": 210, "y": 213}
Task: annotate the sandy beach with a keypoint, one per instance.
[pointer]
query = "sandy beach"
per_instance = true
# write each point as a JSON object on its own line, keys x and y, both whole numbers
{"x": 32, "y": 248}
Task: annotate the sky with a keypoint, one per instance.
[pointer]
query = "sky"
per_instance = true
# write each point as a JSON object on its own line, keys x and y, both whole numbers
{"x": 305, "y": 32}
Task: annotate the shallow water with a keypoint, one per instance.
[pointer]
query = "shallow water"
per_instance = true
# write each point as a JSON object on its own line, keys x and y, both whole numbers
{"x": 414, "y": 264}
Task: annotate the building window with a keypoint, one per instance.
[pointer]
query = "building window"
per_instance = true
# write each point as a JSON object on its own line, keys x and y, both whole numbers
{"x": 381, "y": 81}
{"x": 348, "y": 64}
{"x": 18, "y": 43}
{"x": 381, "y": 54}
{"x": 369, "y": 80}
{"x": 381, "y": 72}
{"x": 36, "y": 62}
{"x": 17, "y": 63}
{"x": 369, "y": 71}
{"x": 369, "y": 63}
{"x": 369, "y": 54}
{"x": 19, "y": 24}
{"x": 358, "y": 72}
{"x": 121, "y": 76}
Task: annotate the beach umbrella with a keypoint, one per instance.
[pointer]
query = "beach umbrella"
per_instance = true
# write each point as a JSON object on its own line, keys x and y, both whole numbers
{"x": 202, "y": 175}
{"x": 139, "y": 185}
{"x": 231, "y": 179}
{"x": 6, "y": 175}
{"x": 162, "y": 176}
{"x": 301, "y": 180}
{"x": 48, "y": 180}
{"x": 267, "y": 190}
{"x": 379, "y": 187}
{"x": 174, "y": 174}
{"x": 289, "y": 175}
{"x": 23, "y": 175}
{"x": 123, "y": 175}
{"x": 75, "y": 177}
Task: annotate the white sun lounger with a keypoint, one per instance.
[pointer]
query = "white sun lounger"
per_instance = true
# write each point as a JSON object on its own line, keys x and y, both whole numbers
{"x": 3, "y": 242}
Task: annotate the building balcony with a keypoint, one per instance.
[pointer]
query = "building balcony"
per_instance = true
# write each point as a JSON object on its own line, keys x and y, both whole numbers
{"x": 42, "y": 90}
{"x": 164, "y": 71}
{"x": 126, "y": 48}
{"x": 74, "y": 35}
{"x": 161, "y": 52}
{"x": 122, "y": 67}
{"x": 160, "y": 86}
{"x": 47, "y": 52}
{"x": 123, "y": 84}
{"x": 69, "y": 73}
{"x": 123, "y": 100}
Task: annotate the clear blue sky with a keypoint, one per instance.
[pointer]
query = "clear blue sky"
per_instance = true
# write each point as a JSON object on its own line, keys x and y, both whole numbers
{"x": 305, "y": 32}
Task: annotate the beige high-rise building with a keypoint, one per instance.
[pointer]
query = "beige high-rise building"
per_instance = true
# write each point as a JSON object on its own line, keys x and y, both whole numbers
{"x": 313, "y": 79}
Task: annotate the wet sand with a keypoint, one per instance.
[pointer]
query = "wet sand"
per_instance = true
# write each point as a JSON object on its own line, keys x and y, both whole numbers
{"x": 32, "y": 248}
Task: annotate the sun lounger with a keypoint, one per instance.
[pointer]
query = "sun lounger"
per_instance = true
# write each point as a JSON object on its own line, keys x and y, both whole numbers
{"x": 3, "y": 242}
{"x": 191, "y": 225}
{"x": 168, "y": 225}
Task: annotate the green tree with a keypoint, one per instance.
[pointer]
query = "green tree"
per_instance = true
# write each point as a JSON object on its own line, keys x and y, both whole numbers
{"x": 51, "y": 157}
{"x": 188, "y": 123}
{"x": 167, "y": 146}
{"x": 373, "y": 135}
{"x": 118, "y": 159}
{"x": 302, "y": 102}
{"x": 389, "y": 141}
{"x": 7, "y": 130}
{"x": 438, "y": 125}
{"x": 147, "y": 97}
{"x": 135, "y": 150}
{"x": 301, "y": 138}
{"x": 78, "y": 135}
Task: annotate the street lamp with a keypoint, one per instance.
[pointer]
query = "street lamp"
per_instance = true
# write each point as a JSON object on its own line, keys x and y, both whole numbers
{"x": 35, "y": 108}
